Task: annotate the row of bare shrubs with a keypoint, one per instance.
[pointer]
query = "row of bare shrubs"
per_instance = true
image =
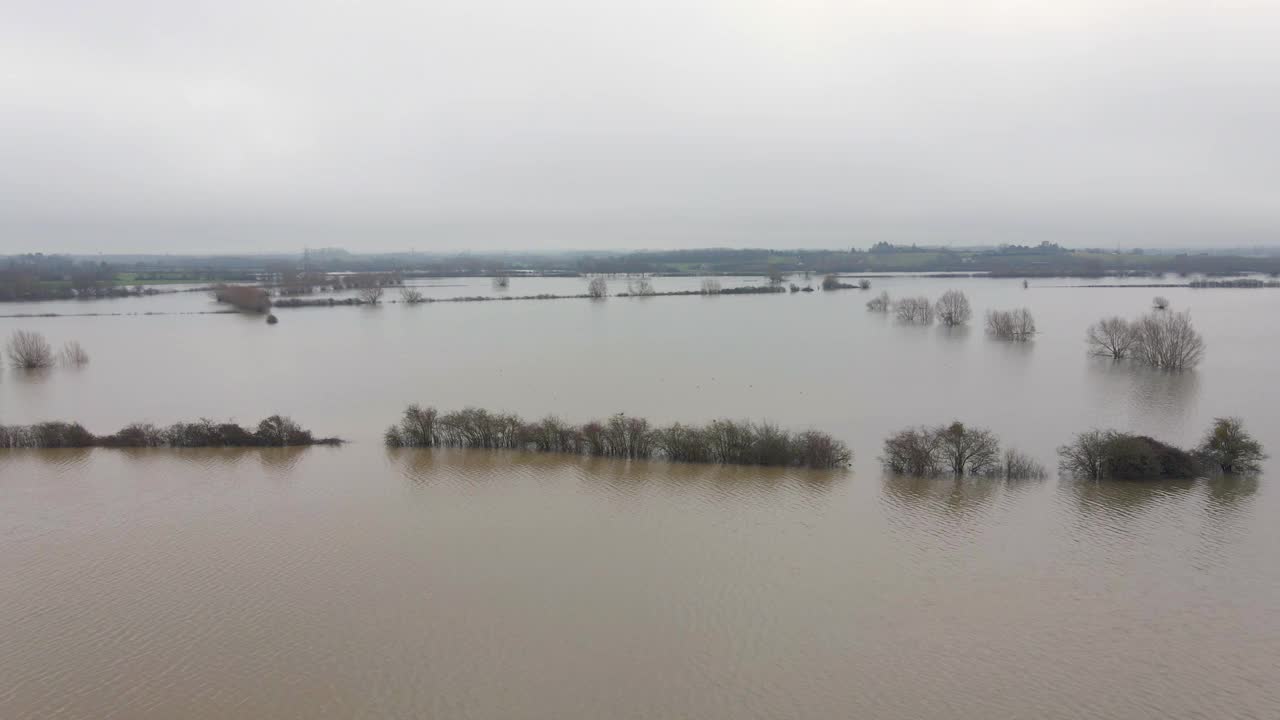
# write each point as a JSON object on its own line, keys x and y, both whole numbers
{"x": 720, "y": 441}
{"x": 955, "y": 449}
{"x": 275, "y": 431}
{"x": 29, "y": 350}
{"x": 953, "y": 309}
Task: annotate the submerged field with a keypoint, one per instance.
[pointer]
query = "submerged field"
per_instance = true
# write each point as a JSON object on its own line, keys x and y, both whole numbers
{"x": 370, "y": 581}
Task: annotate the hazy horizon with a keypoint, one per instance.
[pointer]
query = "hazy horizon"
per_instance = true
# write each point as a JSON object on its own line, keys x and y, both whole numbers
{"x": 236, "y": 127}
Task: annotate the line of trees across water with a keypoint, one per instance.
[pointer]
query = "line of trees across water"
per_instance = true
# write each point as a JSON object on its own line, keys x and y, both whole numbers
{"x": 720, "y": 441}
{"x": 949, "y": 449}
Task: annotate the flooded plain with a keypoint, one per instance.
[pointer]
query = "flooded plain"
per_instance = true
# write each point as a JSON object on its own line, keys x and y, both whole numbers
{"x": 362, "y": 582}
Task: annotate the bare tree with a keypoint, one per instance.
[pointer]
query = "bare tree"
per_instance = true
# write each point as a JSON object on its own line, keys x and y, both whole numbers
{"x": 412, "y": 297}
{"x": 371, "y": 294}
{"x": 972, "y": 451}
{"x": 1113, "y": 337}
{"x": 29, "y": 350}
{"x": 775, "y": 275}
{"x": 953, "y": 308}
{"x": 640, "y": 286}
{"x": 710, "y": 286}
{"x": 598, "y": 287}
{"x": 74, "y": 354}
{"x": 864, "y": 284}
{"x": 913, "y": 451}
{"x": 1160, "y": 303}
{"x": 501, "y": 282}
{"x": 916, "y": 310}
{"x": 879, "y": 303}
{"x": 1168, "y": 340}
{"x": 1011, "y": 324}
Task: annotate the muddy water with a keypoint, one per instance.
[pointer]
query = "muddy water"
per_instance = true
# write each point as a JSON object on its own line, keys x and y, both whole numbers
{"x": 357, "y": 582}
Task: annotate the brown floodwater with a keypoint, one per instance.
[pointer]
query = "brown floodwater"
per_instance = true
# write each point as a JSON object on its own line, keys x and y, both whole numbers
{"x": 362, "y": 582}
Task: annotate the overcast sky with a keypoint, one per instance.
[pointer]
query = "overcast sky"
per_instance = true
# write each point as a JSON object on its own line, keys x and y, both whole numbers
{"x": 235, "y": 125}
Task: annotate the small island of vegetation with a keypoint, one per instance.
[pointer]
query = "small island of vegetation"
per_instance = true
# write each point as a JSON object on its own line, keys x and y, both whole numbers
{"x": 1109, "y": 454}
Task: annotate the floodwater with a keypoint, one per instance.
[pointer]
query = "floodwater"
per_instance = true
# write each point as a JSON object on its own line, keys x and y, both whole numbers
{"x": 361, "y": 582}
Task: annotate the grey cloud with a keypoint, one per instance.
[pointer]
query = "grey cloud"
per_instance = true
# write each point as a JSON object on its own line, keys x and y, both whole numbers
{"x": 235, "y": 125}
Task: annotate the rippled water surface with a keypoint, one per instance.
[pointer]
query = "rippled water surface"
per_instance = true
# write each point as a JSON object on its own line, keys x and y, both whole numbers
{"x": 362, "y": 582}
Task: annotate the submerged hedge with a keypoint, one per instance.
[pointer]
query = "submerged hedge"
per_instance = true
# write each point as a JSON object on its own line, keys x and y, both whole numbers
{"x": 275, "y": 431}
{"x": 720, "y": 441}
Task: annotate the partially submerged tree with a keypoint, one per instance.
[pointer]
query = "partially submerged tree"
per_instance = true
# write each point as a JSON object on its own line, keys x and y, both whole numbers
{"x": 411, "y": 296}
{"x": 953, "y": 308}
{"x": 710, "y": 286}
{"x": 1228, "y": 448}
{"x": 1169, "y": 341}
{"x": 1112, "y": 337}
{"x": 598, "y": 287}
{"x": 917, "y": 310}
{"x": 879, "y": 303}
{"x": 864, "y": 284}
{"x": 371, "y": 294}
{"x": 971, "y": 451}
{"x": 1017, "y": 325}
{"x": 29, "y": 350}
{"x": 640, "y": 287}
{"x": 74, "y": 354}
{"x": 1160, "y": 303}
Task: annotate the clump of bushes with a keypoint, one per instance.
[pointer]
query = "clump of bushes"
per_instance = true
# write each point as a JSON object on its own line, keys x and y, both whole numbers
{"x": 1160, "y": 339}
{"x": 954, "y": 449}
{"x": 273, "y": 431}
{"x": 1099, "y": 454}
{"x": 620, "y": 436}
{"x": 1016, "y": 325}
